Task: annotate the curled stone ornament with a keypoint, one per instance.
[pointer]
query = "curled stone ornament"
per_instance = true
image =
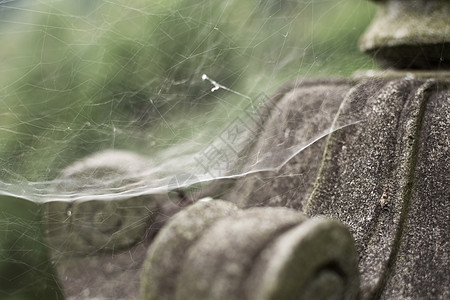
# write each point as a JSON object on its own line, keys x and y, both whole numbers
{"x": 87, "y": 227}
{"x": 212, "y": 250}
{"x": 93, "y": 226}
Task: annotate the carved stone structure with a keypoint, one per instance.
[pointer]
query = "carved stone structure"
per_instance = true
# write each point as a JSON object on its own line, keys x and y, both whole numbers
{"x": 379, "y": 178}
{"x": 410, "y": 34}
{"x": 212, "y": 250}
{"x": 383, "y": 177}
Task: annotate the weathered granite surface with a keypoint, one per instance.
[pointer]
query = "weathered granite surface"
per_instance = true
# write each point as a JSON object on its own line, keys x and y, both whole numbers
{"x": 421, "y": 269}
{"x": 304, "y": 109}
{"x": 398, "y": 154}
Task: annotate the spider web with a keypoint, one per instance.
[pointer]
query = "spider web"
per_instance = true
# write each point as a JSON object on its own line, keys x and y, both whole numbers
{"x": 111, "y": 100}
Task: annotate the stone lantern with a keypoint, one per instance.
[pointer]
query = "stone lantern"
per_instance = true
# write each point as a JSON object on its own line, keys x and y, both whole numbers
{"x": 361, "y": 214}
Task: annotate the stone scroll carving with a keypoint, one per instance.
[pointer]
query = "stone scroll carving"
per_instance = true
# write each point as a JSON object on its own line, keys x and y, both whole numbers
{"x": 212, "y": 250}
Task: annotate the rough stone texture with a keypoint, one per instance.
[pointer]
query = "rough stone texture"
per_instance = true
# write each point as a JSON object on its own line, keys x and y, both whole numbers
{"x": 410, "y": 34}
{"x": 421, "y": 270}
{"x": 366, "y": 164}
{"x": 217, "y": 264}
{"x": 168, "y": 251}
{"x": 360, "y": 164}
{"x": 214, "y": 251}
{"x": 394, "y": 157}
{"x": 314, "y": 260}
{"x": 304, "y": 110}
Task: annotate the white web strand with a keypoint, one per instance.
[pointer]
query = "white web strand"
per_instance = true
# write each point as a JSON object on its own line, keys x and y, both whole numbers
{"x": 217, "y": 86}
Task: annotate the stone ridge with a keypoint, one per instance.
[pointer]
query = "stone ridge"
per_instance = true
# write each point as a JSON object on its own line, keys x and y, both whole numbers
{"x": 422, "y": 262}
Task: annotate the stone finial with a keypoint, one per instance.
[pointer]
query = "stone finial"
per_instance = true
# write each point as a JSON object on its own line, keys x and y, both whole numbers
{"x": 410, "y": 34}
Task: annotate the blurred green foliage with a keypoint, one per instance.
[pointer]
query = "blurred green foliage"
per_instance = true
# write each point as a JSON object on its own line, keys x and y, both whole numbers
{"x": 26, "y": 271}
{"x": 81, "y": 76}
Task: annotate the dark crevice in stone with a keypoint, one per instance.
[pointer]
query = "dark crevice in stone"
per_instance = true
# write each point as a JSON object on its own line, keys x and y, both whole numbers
{"x": 424, "y": 57}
